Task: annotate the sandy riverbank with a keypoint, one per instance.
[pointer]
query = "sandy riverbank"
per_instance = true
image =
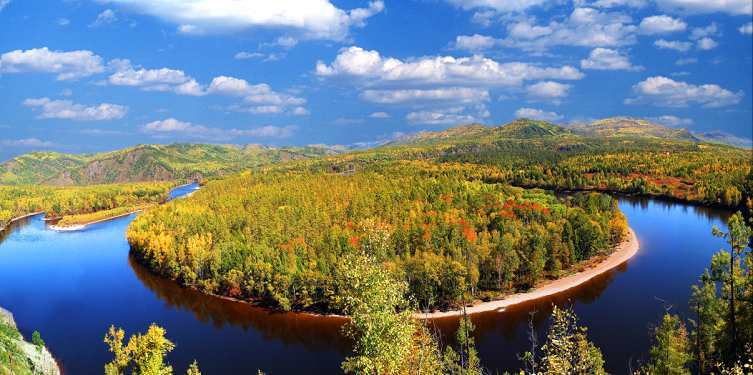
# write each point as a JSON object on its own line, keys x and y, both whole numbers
{"x": 626, "y": 250}
{"x": 15, "y": 219}
{"x": 73, "y": 228}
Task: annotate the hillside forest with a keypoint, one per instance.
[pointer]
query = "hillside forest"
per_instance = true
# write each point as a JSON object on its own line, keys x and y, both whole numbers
{"x": 433, "y": 221}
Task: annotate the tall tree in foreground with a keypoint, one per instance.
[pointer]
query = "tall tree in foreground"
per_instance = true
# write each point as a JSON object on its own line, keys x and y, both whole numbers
{"x": 734, "y": 277}
{"x": 387, "y": 338}
{"x": 144, "y": 354}
{"x": 707, "y": 322}
{"x": 670, "y": 354}
{"x": 567, "y": 349}
{"x": 722, "y": 304}
{"x": 465, "y": 360}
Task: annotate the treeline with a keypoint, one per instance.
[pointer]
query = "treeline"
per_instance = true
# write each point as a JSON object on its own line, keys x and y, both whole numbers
{"x": 716, "y": 339}
{"x": 695, "y": 176}
{"x": 277, "y": 236}
{"x": 389, "y": 340}
{"x": 688, "y": 171}
{"x": 16, "y": 201}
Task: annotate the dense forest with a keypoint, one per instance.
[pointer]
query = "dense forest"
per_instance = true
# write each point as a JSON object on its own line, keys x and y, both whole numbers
{"x": 388, "y": 339}
{"x": 275, "y": 236}
{"x": 56, "y": 202}
{"x": 717, "y": 339}
{"x": 148, "y": 163}
{"x": 452, "y": 217}
{"x": 615, "y": 155}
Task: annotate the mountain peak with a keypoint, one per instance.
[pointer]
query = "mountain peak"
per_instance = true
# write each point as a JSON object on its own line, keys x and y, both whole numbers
{"x": 528, "y": 128}
{"x": 624, "y": 126}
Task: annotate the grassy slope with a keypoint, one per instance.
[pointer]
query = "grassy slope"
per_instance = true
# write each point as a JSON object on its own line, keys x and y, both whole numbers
{"x": 631, "y": 127}
{"x": 623, "y": 155}
{"x": 146, "y": 163}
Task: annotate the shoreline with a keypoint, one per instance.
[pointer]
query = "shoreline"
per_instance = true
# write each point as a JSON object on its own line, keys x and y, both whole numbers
{"x": 622, "y": 253}
{"x": 78, "y": 227}
{"x": 41, "y": 359}
{"x": 15, "y": 219}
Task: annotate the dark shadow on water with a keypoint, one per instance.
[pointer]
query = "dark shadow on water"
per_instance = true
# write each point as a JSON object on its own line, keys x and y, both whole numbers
{"x": 312, "y": 331}
{"x": 506, "y": 324}
{"x": 709, "y": 213}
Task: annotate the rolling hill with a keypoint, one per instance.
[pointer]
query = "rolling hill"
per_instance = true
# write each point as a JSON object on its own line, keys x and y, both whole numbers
{"x": 631, "y": 127}
{"x": 724, "y": 138}
{"x": 147, "y": 163}
{"x": 617, "y": 154}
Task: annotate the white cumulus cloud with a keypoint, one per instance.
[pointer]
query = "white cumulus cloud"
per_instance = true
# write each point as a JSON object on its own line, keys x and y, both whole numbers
{"x": 172, "y": 127}
{"x": 548, "y": 89}
{"x": 475, "y": 70}
{"x": 66, "y": 109}
{"x": 620, "y": 3}
{"x": 454, "y": 94}
{"x": 585, "y": 27}
{"x": 26, "y": 142}
{"x": 666, "y": 92}
{"x": 67, "y": 65}
{"x": 537, "y": 114}
{"x": 380, "y": 115}
{"x": 498, "y": 5}
{"x": 445, "y": 116}
{"x": 706, "y": 44}
{"x": 673, "y": 121}
{"x": 316, "y": 19}
{"x": 474, "y": 42}
{"x": 106, "y": 17}
{"x": 162, "y": 79}
{"x": 746, "y": 29}
{"x": 733, "y": 7}
{"x": 261, "y": 99}
{"x": 662, "y": 24}
{"x": 608, "y": 59}
{"x": 675, "y": 45}
{"x": 245, "y": 55}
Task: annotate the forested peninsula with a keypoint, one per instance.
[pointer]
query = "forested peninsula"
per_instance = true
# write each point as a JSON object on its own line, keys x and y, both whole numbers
{"x": 427, "y": 223}
{"x": 275, "y": 237}
{"x": 81, "y": 204}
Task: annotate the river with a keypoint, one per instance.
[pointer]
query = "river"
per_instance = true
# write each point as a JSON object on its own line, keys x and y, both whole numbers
{"x": 71, "y": 286}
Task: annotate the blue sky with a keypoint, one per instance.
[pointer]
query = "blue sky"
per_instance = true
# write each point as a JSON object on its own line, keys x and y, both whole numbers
{"x": 85, "y": 76}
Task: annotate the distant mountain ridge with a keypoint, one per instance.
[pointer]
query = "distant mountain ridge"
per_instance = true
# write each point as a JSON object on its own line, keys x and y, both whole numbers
{"x": 724, "y": 138}
{"x": 615, "y": 127}
{"x": 184, "y": 161}
{"x": 147, "y": 163}
{"x": 631, "y": 127}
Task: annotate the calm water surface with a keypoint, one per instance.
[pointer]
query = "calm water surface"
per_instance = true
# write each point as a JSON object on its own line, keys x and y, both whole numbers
{"x": 72, "y": 286}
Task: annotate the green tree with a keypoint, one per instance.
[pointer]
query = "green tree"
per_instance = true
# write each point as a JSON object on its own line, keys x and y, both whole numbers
{"x": 465, "y": 360}
{"x": 144, "y": 354}
{"x": 193, "y": 369}
{"x": 738, "y": 238}
{"x": 567, "y": 349}
{"x": 708, "y": 322}
{"x": 36, "y": 339}
{"x": 670, "y": 353}
{"x": 387, "y": 339}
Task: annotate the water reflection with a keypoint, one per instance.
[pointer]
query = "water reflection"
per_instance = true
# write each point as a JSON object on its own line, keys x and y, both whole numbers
{"x": 709, "y": 213}
{"x": 506, "y": 324}
{"x": 72, "y": 285}
{"x": 308, "y": 330}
